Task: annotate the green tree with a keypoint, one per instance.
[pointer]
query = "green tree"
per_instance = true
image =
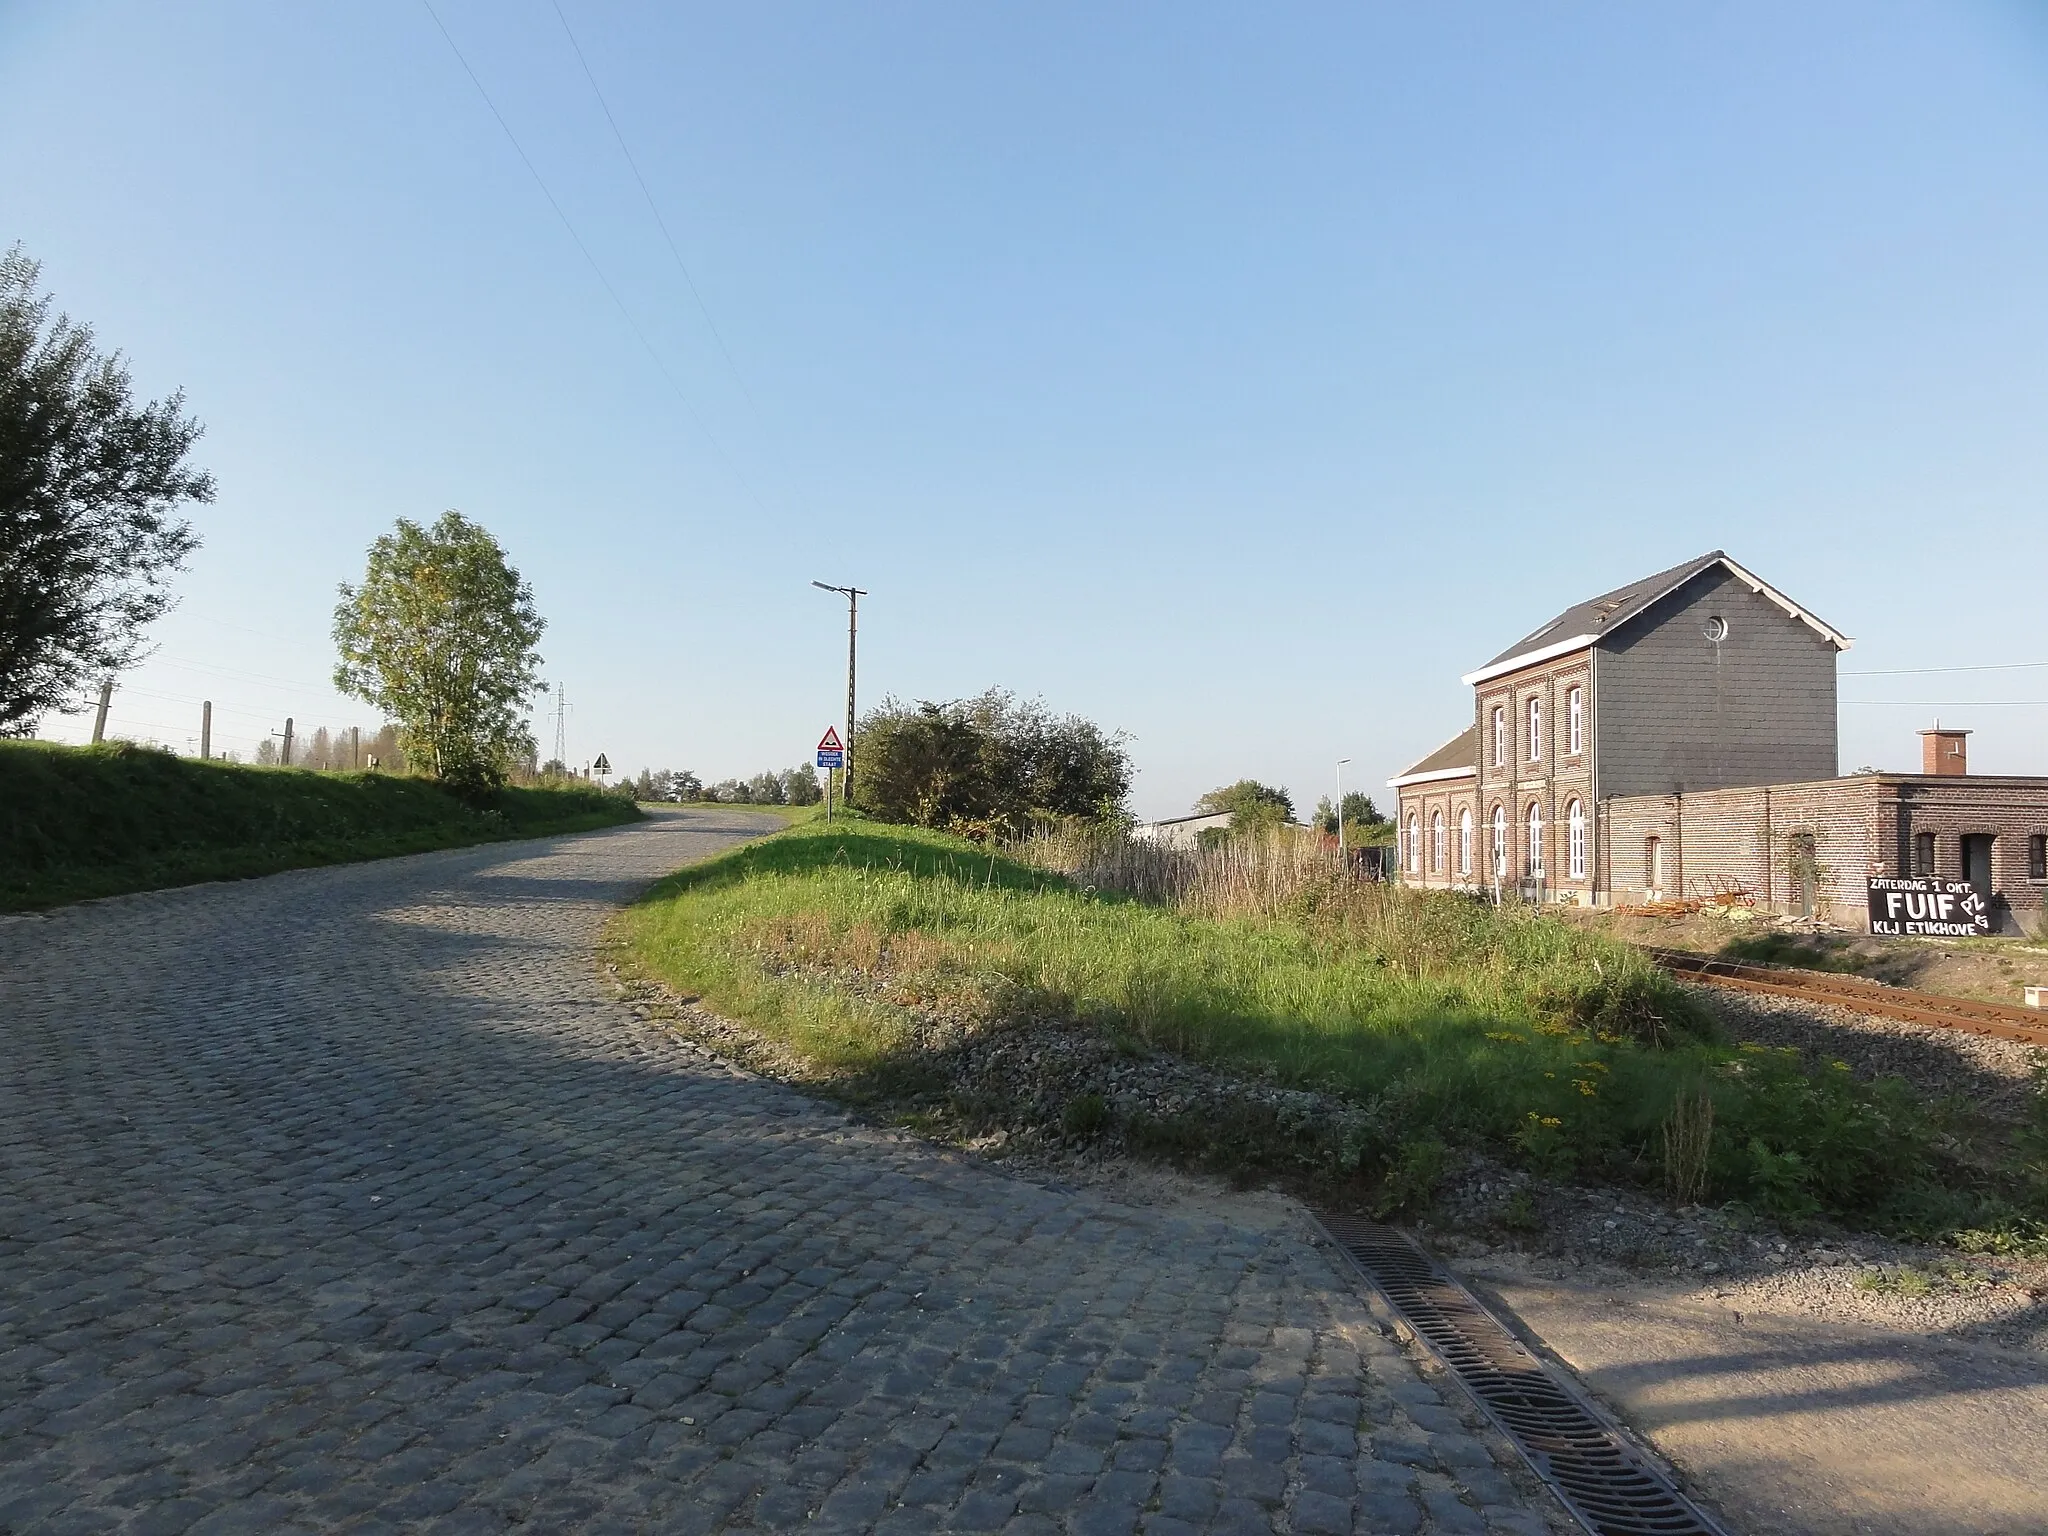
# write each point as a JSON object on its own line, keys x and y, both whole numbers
{"x": 90, "y": 483}
{"x": 1363, "y": 823}
{"x": 990, "y": 761}
{"x": 440, "y": 636}
{"x": 1249, "y": 804}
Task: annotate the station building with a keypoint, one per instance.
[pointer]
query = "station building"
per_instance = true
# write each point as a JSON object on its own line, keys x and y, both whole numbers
{"x": 1676, "y": 738}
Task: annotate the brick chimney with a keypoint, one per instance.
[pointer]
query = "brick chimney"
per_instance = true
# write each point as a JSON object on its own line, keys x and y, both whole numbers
{"x": 1944, "y": 752}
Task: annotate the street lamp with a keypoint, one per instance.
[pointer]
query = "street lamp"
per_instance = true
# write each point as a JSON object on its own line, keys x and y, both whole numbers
{"x": 1341, "y": 859}
{"x": 853, "y": 597}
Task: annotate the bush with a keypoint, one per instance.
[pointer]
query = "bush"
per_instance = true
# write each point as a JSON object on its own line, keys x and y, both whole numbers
{"x": 986, "y": 765}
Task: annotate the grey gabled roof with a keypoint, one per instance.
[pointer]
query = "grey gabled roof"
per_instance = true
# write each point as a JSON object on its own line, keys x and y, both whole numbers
{"x": 1584, "y": 623}
{"x": 1458, "y": 755}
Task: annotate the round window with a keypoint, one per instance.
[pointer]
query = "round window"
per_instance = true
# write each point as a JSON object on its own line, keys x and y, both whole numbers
{"x": 1715, "y": 629}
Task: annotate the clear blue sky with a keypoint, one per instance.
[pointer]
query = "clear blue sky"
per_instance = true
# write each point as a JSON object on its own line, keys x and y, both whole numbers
{"x": 1237, "y": 376}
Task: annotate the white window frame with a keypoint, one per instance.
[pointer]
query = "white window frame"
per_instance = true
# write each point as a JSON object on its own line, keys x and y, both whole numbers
{"x": 1414, "y": 844}
{"x": 1465, "y": 842}
{"x": 1500, "y": 841}
{"x": 1438, "y": 842}
{"x": 1575, "y": 840}
{"x": 1576, "y": 728}
{"x": 1535, "y": 717}
{"x": 1534, "y": 851}
{"x": 1500, "y": 736}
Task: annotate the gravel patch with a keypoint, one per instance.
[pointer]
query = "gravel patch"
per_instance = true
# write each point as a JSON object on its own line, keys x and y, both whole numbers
{"x": 1493, "y": 1218}
{"x": 1993, "y": 1075}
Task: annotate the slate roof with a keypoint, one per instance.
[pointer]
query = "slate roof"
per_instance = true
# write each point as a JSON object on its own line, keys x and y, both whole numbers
{"x": 1585, "y": 623}
{"x": 1461, "y": 751}
{"x": 1610, "y": 609}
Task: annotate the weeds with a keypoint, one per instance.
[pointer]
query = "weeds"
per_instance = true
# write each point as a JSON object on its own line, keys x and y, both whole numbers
{"x": 1688, "y": 1144}
{"x": 1442, "y": 1021}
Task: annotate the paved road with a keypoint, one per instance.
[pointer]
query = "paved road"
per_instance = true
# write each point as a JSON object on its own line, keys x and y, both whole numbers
{"x": 346, "y": 1199}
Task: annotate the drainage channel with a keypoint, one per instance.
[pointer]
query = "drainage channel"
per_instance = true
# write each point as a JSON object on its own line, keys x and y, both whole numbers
{"x": 1603, "y": 1479}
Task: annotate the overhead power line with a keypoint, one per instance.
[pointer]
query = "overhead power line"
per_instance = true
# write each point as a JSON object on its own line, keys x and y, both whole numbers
{"x": 1989, "y": 666}
{"x": 1957, "y": 703}
{"x": 655, "y": 209}
{"x": 624, "y": 313}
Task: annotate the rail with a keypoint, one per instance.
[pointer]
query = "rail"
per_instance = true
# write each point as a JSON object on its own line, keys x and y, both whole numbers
{"x": 2006, "y": 1021}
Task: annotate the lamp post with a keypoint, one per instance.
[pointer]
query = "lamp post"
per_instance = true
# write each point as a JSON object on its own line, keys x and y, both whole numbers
{"x": 1341, "y": 859}
{"x": 853, "y": 597}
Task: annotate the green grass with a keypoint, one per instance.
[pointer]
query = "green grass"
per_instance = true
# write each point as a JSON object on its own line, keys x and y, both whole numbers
{"x": 793, "y": 814}
{"x": 1792, "y": 950}
{"x": 97, "y": 821}
{"x": 1445, "y": 1020}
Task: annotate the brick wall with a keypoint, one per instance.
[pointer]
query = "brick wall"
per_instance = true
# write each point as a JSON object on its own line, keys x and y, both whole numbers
{"x": 1759, "y": 839}
{"x": 1551, "y": 779}
{"x": 1421, "y": 806}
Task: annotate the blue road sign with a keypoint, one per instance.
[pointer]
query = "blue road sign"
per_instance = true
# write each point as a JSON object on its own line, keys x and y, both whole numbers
{"x": 831, "y": 759}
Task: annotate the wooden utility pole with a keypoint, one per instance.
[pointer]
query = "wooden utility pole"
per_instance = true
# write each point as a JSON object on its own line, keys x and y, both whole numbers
{"x": 853, "y": 597}
{"x": 99, "y": 722}
{"x": 206, "y": 730}
{"x": 287, "y": 741}
{"x": 355, "y": 747}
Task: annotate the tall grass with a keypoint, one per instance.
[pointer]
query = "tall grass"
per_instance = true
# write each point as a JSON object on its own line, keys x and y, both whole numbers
{"x": 1439, "y": 1018}
{"x": 1259, "y": 874}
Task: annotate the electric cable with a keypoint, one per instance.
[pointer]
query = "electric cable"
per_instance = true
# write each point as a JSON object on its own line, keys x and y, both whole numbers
{"x": 624, "y": 313}
{"x": 653, "y": 208}
{"x": 1988, "y": 666}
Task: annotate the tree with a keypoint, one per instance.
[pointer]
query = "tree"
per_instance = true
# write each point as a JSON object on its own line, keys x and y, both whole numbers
{"x": 1359, "y": 813}
{"x": 90, "y": 484}
{"x": 440, "y": 636}
{"x": 974, "y": 763}
{"x": 800, "y": 786}
{"x": 1249, "y": 804}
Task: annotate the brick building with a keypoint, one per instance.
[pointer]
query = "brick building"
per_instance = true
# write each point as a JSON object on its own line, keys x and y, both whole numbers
{"x": 1678, "y": 737}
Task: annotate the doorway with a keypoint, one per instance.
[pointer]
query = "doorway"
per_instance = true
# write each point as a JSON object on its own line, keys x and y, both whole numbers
{"x": 1802, "y": 861}
{"x": 1977, "y": 861}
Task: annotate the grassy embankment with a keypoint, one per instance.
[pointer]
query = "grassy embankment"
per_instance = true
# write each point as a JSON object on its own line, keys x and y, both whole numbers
{"x": 96, "y": 821}
{"x": 1447, "y": 1022}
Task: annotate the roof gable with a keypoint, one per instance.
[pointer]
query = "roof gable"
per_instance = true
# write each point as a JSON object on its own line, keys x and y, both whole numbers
{"x": 1587, "y": 623}
{"x": 1455, "y": 758}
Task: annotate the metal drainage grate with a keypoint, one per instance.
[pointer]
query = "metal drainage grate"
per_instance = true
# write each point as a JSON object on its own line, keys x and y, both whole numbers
{"x": 1602, "y": 1478}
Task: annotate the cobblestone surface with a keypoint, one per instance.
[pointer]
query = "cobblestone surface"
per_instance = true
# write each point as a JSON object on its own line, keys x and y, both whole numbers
{"x": 347, "y": 1199}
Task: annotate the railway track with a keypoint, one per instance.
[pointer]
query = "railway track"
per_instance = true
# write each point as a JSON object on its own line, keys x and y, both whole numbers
{"x": 2004, "y": 1020}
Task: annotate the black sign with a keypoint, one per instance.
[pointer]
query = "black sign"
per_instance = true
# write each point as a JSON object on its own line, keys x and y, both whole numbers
{"x": 1908, "y": 906}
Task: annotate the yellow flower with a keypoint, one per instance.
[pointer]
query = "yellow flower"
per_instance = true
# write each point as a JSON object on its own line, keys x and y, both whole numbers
{"x": 1585, "y": 1086}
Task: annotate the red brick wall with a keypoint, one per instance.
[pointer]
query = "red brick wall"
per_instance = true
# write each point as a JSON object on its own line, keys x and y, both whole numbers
{"x": 1552, "y": 781}
{"x": 1743, "y": 839}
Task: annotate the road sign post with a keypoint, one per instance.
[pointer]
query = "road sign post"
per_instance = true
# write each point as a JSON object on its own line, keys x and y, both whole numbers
{"x": 831, "y": 755}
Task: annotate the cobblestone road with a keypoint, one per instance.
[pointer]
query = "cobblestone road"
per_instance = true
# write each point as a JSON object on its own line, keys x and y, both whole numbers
{"x": 347, "y": 1199}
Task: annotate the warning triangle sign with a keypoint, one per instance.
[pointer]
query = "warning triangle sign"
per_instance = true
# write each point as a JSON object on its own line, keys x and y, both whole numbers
{"x": 831, "y": 743}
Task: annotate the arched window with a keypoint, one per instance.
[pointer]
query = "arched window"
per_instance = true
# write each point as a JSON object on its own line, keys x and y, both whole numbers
{"x": 1465, "y": 842}
{"x": 1535, "y": 730}
{"x": 1575, "y": 840}
{"x": 1575, "y": 727}
{"x": 1436, "y": 842}
{"x": 1500, "y": 842}
{"x": 1500, "y": 737}
{"x": 1414, "y": 844}
{"x": 1535, "y": 865}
